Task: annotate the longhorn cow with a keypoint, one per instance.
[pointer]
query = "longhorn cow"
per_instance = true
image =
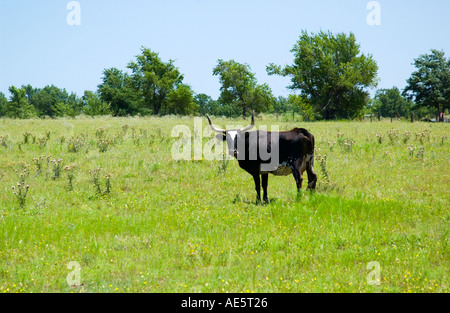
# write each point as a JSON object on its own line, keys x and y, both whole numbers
{"x": 278, "y": 153}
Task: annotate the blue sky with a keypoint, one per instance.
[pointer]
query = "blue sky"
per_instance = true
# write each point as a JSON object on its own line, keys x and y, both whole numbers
{"x": 38, "y": 47}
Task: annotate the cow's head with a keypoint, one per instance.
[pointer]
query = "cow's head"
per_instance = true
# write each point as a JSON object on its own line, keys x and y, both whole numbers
{"x": 231, "y": 136}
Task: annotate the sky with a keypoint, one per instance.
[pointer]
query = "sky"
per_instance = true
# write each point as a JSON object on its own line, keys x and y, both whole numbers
{"x": 38, "y": 46}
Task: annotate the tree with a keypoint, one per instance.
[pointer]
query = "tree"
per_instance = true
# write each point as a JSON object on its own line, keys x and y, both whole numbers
{"x": 390, "y": 102}
{"x": 117, "y": 90}
{"x": 3, "y": 104}
{"x": 30, "y": 92}
{"x": 206, "y": 104}
{"x": 153, "y": 80}
{"x": 18, "y": 106}
{"x": 180, "y": 101}
{"x": 331, "y": 73}
{"x": 53, "y": 101}
{"x": 93, "y": 106}
{"x": 71, "y": 106}
{"x": 302, "y": 105}
{"x": 240, "y": 88}
{"x": 429, "y": 86}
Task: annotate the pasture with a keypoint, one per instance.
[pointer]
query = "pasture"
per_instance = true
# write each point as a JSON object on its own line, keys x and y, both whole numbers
{"x": 106, "y": 193}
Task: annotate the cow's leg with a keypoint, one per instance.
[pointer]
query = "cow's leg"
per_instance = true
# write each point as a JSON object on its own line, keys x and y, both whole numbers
{"x": 296, "y": 171}
{"x": 312, "y": 176}
{"x": 298, "y": 177}
{"x": 257, "y": 187}
{"x": 265, "y": 179}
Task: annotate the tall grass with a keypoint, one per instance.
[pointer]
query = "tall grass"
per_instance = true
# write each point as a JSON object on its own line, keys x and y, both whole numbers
{"x": 153, "y": 224}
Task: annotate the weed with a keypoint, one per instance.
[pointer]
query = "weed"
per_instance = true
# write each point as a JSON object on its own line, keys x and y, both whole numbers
{"x": 38, "y": 162}
{"x": 57, "y": 167}
{"x": 75, "y": 144}
{"x": 70, "y": 169}
{"x": 348, "y": 145}
{"x": 421, "y": 136}
{"x": 4, "y": 141}
{"x": 125, "y": 128}
{"x": 380, "y": 138}
{"x": 42, "y": 141}
{"x": 26, "y": 137}
{"x": 23, "y": 173}
{"x": 421, "y": 152}
{"x": 108, "y": 185}
{"x": 97, "y": 183}
{"x": 103, "y": 144}
{"x": 100, "y": 133}
{"x": 323, "y": 166}
{"x": 21, "y": 192}
{"x": 331, "y": 145}
{"x": 48, "y": 166}
{"x": 406, "y": 136}
{"x": 393, "y": 135}
{"x": 222, "y": 168}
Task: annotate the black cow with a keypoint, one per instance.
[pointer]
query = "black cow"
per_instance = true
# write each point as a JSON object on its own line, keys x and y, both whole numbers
{"x": 278, "y": 153}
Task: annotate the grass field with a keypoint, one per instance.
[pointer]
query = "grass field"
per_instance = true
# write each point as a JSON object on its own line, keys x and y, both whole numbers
{"x": 135, "y": 220}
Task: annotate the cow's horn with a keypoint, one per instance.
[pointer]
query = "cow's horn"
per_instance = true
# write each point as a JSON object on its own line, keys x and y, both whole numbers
{"x": 217, "y": 130}
{"x": 251, "y": 125}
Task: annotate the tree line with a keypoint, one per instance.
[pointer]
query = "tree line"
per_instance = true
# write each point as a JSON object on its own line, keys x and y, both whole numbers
{"x": 330, "y": 78}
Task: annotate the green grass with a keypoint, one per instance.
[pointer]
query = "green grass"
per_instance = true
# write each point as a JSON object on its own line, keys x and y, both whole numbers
{"x": 193, "y": 226}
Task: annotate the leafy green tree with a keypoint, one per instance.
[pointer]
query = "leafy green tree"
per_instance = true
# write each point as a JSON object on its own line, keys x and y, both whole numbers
{"x": 3, "y": 104}
{"x": 71, "y": 106}
{"x": 53, "y": 101}
{"x": 229, "y": 110}
{"x": 180, "y": 101}
{"x": 94, "y": 106}
{"x": 47, "y": 99}
{"x": 206, "y": 104}
{"x": 153, "y": 80}
{"x": 331, "y": 73}
{"x": 240, "y": 87}
{"x": 62, "y": 109}
{"x": 30, "y": 92}
{"x": 301, "y": 105}
{"x": 429, "y": 86}
{"x": 391, "y": 103}
{"x": 18, "y": 106}
{"x": 117, "y": 90}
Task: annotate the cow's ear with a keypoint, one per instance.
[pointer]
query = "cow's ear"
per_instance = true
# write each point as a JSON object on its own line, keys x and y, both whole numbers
{"x": 221, "y": 137}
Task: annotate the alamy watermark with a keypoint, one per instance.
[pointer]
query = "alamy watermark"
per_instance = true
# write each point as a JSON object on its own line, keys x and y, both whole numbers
{"x": 239, "y": 144}
{"x": 73, "y": 18}
{"x": 374, "y": 277}
{"x": 74, "y": 277}
{"x": 374, "y": 16}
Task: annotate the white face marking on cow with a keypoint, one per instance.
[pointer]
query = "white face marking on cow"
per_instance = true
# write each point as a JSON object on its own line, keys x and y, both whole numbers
{"x": 231, "y": 142}
{"x": 232, "y": 134}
